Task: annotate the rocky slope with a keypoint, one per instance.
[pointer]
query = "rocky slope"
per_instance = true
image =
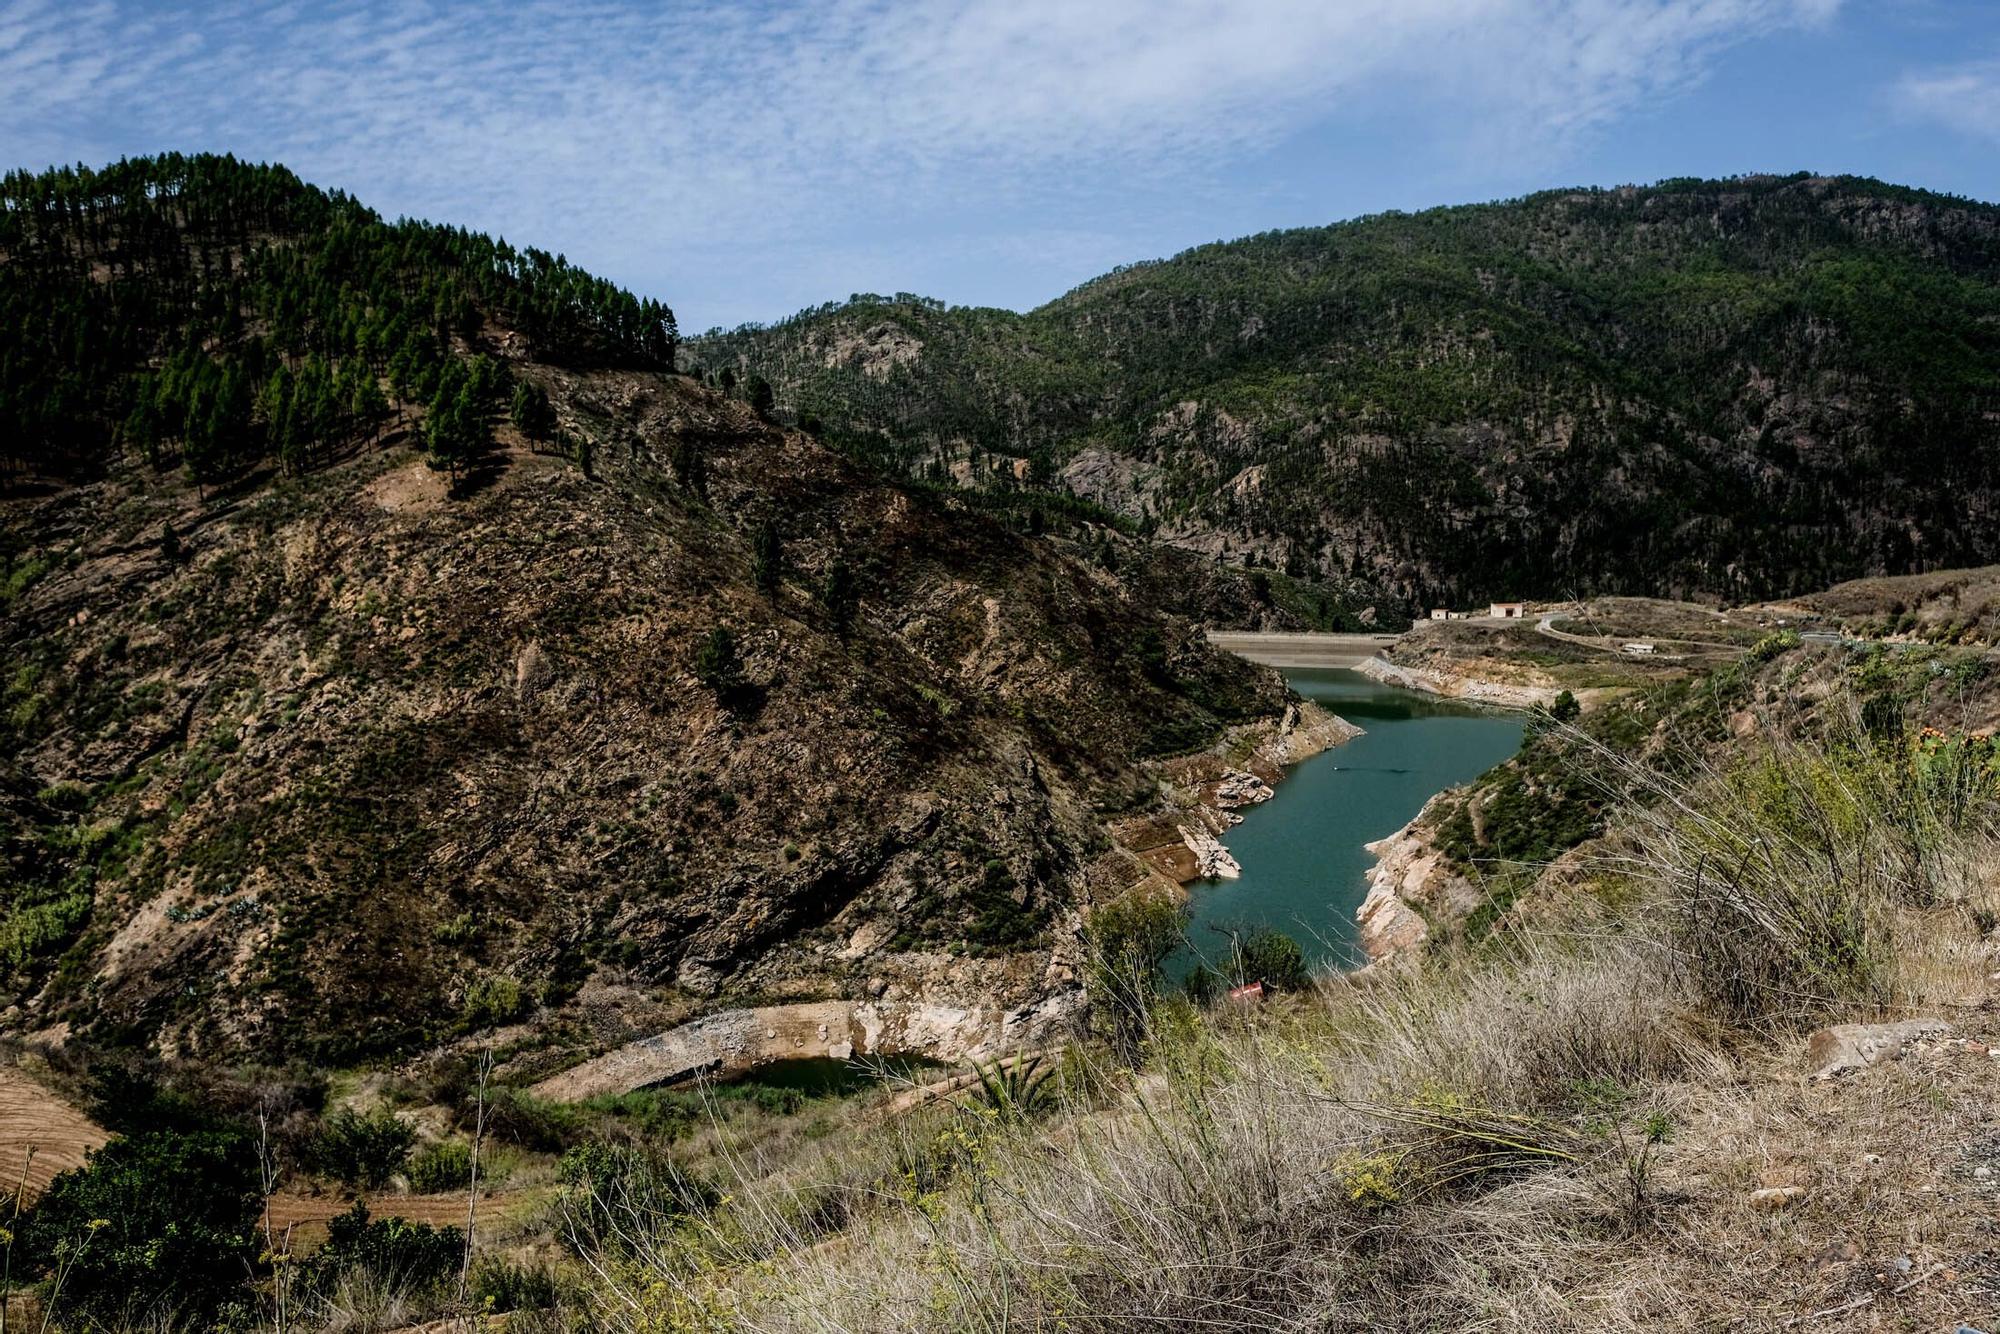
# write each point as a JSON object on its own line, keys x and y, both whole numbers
{"x": 342, "y": 759}
{"x": 1738, "y": 388}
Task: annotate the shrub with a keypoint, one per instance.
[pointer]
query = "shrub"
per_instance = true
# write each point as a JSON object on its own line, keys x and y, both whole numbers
{"x": 521, "y": 1118}
{"x": 612, "y": 1193}
{"x": 492, "y": 1000}
{"x": 651, "y": 1113}
{"x": 505, "y": 1285}
{"x": 442, "y": 1166}
{"x": 1129, "y": 941}
{"x": 1262, "y": 954}
{"x": 360, "y": 1150}
{"x": 1783, "y": 875}
{"x": 34, "y": 933}
{"x": 719, "y": 666}
{"x": 1273, "y": 958}
{"x": 155, "y": 1224}
{"x": 1771, "y": 645}
{"x": 399, "y": 1254}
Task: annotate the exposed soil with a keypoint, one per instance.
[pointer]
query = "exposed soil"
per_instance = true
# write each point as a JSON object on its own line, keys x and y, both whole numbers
{"x": 40, "y": 1134}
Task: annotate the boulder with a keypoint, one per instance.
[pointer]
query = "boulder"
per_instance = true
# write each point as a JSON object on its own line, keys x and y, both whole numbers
{"x": 532, "y": 671}
{"x": 1845, "y": 1047}
{"x": 1237, "y": 788}
{"x": 1211, "y": 859}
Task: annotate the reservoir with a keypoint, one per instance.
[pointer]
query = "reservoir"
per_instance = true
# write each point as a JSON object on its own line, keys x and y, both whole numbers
{"x": 1305, "y": 866}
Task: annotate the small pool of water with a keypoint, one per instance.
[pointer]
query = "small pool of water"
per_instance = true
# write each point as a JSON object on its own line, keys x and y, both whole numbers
{"x": 1305, "y": 864}
{"x": 828, "y": 1077}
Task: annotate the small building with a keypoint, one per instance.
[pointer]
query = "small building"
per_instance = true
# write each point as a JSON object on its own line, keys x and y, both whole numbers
{"x": 1249, "y": 994}
{"x": 1638, "y": 649}
{"x": 1508, "y": 611}
{"x": 1440, "y": 613}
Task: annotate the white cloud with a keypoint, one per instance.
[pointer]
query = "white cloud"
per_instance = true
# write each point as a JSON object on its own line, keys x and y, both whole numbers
{"x": 1965, "y": 98}
{"x": 704, "y": 127}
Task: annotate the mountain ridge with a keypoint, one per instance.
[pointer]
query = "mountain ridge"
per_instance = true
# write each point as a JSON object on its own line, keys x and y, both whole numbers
{"x": 1754, "y": 382}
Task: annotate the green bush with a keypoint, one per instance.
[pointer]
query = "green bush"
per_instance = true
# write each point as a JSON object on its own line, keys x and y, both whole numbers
{"x": 35, "y": 933}
{"x": 519, "y": 1117}
{"x": 442, "y": 1166}
{"x": 1129, "y": 941}
{"x": 360, "y": 1150}
{"x": 492, "y": 1000}
{"x": 403, "y": 1255}
{"x": 652, "y": 1113}
{"x": 1771, "y": 645}
{"x": 505, "y": 1285}
{"x": 153, "y": 1226}
{"x": 1261, "y": 955}
{"x": 611, "y": 1191}
{"x": 1273, "y": 958}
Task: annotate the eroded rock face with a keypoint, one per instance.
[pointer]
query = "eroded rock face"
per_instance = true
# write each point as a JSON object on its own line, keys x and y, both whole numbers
{"x": 731, "y": 1043}
{"x": 876, "y": 351}
{"x": 1411, "y": 882}
{"x": 1465, "y": 682}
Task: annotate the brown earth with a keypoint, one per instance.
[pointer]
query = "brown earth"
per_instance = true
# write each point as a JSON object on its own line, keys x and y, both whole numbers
{"x": 363, "y": 766}
{"x": 40, "y": 1134}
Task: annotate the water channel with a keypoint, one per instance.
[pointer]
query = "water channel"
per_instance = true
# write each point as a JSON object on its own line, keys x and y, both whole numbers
{"x": 1305, "y": 866}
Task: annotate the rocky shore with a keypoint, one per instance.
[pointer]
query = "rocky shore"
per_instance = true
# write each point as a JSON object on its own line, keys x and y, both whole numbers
{"x": 1411, "y": 886}
{"x": 1463, "y": 685}
{"x": 1184, "y": 842}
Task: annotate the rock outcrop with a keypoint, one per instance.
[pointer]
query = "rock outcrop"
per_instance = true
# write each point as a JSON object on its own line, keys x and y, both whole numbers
{"x": 1212, "y": 861}
{"x": 731, "y": 1043}
{"x": 1845, "y": 1048}
{"x": 1411, "y": 884}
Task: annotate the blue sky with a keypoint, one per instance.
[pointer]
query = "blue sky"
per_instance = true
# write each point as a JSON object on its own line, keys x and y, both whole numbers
{"x": 743, "y": 160}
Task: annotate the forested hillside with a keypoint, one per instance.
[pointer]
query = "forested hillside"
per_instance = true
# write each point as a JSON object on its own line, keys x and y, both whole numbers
{"x": 205, "y": 311}
{"x": 396, "y": 649}
{"x": 1737, "y": 388}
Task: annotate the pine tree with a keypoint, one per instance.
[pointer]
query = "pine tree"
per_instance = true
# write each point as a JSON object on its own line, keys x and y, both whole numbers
{"x": 718, "y": 665}
{"x": 369, "y": 405}
{"x": 767, "y": 558}
{"x": 840, "y": 596}
{"x": 532, "y": 414}
{"x": 757, "y": 391}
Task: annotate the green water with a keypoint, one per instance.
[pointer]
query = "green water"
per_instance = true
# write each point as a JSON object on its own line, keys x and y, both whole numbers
{"x": 1305, "y": 869}
{"x": 827, "y": 1077}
